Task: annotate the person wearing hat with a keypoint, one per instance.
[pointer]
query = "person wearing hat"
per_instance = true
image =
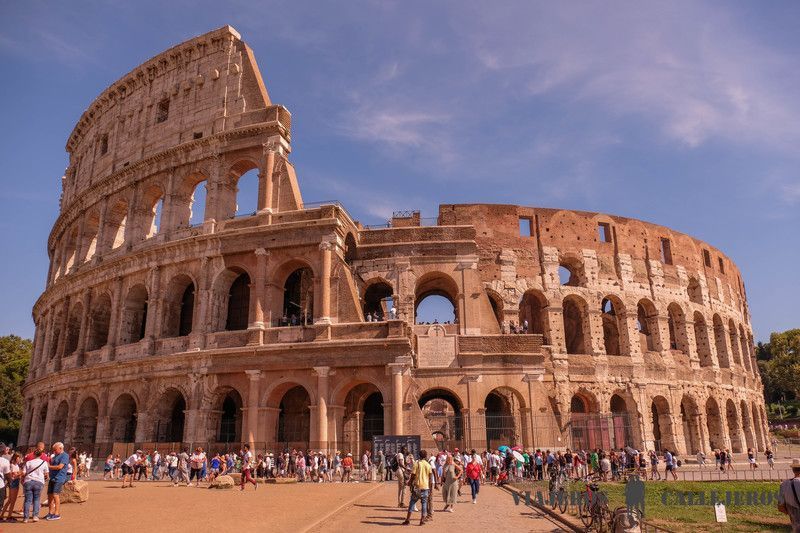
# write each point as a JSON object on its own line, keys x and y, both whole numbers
{"x": 347, "y": 465}
{"x": 789, "y": 497}
{"x": 130, "y": 465}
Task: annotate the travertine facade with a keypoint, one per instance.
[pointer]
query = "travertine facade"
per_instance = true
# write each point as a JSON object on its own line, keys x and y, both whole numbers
{"x": 154, "y": 329}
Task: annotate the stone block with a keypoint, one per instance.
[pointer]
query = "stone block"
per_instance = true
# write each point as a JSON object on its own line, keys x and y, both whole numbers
{"x": 75, "y": 492}
{"x": 223, "y": 482}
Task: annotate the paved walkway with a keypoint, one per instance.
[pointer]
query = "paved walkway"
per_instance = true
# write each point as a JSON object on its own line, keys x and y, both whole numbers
{"x": 494, "y": 511}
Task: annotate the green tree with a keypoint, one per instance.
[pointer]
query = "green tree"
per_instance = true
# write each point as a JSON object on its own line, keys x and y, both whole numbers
{"x": 15, "y": 355}
{"x": 779, "y": 362}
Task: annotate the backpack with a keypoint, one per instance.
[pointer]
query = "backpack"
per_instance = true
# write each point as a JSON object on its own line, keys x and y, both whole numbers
{"x": 393, "y": 463}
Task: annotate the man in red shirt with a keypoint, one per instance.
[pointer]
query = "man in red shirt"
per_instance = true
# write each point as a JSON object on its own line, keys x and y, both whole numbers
{"x": 38, "y": 452}
{"x": 347, "y": 467}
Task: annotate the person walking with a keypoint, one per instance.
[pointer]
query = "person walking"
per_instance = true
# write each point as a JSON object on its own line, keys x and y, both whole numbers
{"x": 451, "y": 474}
{"x": 129, "y": 467}
{"x": 770, "y": 458}
{"x": 789, "y": 497}
{"x": 5, "y": 469}
{"x": 419, "y": 481}
{"x": 669, "y": 460}
{"x": 247, "y": 466}
{"x": 13, "y": 483}
{"x": 474, "y": 477}
{"x": 32, "y": 483}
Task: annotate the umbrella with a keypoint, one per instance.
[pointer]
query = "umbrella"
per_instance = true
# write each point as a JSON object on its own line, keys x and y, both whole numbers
{"x": 518, "y": 456}
{"x": 517, "y": 448}
{"x": 504, "y": 448}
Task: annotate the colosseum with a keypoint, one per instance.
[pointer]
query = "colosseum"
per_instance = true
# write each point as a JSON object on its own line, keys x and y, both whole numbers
{"x": 173, "y": 313}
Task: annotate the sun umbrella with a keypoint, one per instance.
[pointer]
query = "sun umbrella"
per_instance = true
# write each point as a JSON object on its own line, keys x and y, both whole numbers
{"x": 518, "y": 456}
{"x": 504, "y": 448}
{"x": 517, "y": 448}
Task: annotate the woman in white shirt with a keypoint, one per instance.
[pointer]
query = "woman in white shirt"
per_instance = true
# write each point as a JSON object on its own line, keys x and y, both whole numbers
{"x": 33, "y": 483}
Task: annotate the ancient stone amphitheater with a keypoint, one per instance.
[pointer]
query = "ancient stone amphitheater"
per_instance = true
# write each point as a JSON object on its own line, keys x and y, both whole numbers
{"x": 172, "y": 314}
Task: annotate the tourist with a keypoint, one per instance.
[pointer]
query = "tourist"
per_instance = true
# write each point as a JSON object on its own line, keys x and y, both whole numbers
{"x": 729, "y": 460}
{"x": 196, "y": 462}
{"x": 451, "y": 476}
{"x": 419, "y": 480}
{"x": 129, "y": 467}
{"x": 381, "y": 460}
{"x": 58, "y": 476}
{"x": 72, "y": 467}
{"x": 398, "y": 467}
{"x": 770, "y": 458}
{"x": 117, "y": 467}
{"x": 605, "y": 467}
{"x": 215, "y": 467}
{"x": 12, "y": 478}
{"x": 431, "y": 485}
{"x": 156, "y": 474}
{"x": 5, "y": 469}
{"x": 108, "y": 468}
{"x": 183, "y": 467}
{"x": 751, "y": 459}
{"x": 474, "y": 477}
{"x": 32, "y": 483}
{"x": 347, "y": 467}
{"x": 701, "y": 459}
{"x": 247, "y": 460}
{"x": 669, "y": 461}
{"x": 89, "y": 461}
{"x": 789, "y": 497}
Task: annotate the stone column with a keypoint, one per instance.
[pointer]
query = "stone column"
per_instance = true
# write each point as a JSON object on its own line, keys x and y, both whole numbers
{"x": 80, "y": 242}
{"x": 143, "y": 423}
{"x": 323, "y": 373}
{"x": 48, "y": 421}
{"x": 153, "y": 310}
{"x": 554, "y": 315}
{"x": 257, "y": 326}
{"x": 84, "y": 333}
{"x": 397, "y": 370}
{"x": 197, "y": 339}
{"x": 62, "y": 337}
{"x": 265, "y": 181}
{"x": 100, "y": 249}
{"x": 254, "y": 384}
{"x": 324, "y": 316}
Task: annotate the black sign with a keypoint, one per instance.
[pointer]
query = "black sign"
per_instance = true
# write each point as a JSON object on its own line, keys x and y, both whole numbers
{"x": 391, "y": 444}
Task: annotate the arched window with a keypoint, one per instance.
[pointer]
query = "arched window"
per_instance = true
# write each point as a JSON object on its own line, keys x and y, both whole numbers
{"x": 734, "y": 334}
{"x": 178, "y": 307}
{"x": 100, "y": 320}
{"x": 571, "y": 272}
{"x": 576, "y": 325}
{"x": 115, "y": 227}
{"x": 155, "y": 225}
{"x": 611, "y": 327}
{"x": 350, "y": 249}
{"x": 694, "y": 291}
{"x": 197, "y": 204}
{"x": 720, "y": 342}
{"x": 247, "y": 193}
{"x": 378, "y": 300}
{"x": 230, "y": 423}
{"x": 647, "y": 325}
{"x": 298, "y": 298}
{"x": 239, "y": 304}
{"x": 134, "y": 315}
{"x": 86, "y": 426}
{"x": 170, "y": 417}
{"x": 701, "y": 339}
{"x": 533, "y": 309}
{"x": 677, "y": 328}
{"x": 73, "y": 329}
{"x": 294, "y": 418}
{"x": 123, "y": 419}
{"x": 187, "y": 311}
{"x": 435, "y": 299}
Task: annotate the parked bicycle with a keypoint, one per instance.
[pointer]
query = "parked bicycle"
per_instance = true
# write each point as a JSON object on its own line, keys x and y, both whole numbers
{"x": 593, "y": 507}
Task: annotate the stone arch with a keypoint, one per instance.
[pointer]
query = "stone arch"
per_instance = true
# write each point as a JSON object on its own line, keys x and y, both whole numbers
{"x": 364, "y": 415}
{"x": 502, "y": 406}
{"x": 496, "y": 303}
{"x": 377, "y": 299}
{"x": 170, "y": 416}
{"x": 244, "y": 175}
{"x": 690, "y": 418}
{"x": 99, "y": 322}
{"x": 436, "y": 284}
{"x": 294, "y": 418}
{"x": 179, "y": 302}
{"x": 701, "y": 339}
{"x": 734, "y": 336}
{"x": 716, "y": 435}
{"x": 720, "y": 342}
{"x": 227, "y": 415}
{"x": 747, "y": 427}
{"x": 298, "y": 296}
{"x": 134, "y": 315}
{"x": 734, "y": 428}
{"x": 230, "y": 303}
{"x": 57, "y": 328}
{"x": 647, "y": 325}
{"x": 761, "y": 439}
{"x": 533, "y": 308}
{"x": 70, "y": 250}
{"x": 746, "y": 361}
{"x": 442, "y": 409}
{"x": 622, "y": 409}
{"x": 86, "y": 424}
{"x": 59, "y": 430}
{"x": 90, "y": 235}
{"x": 585, "y": 429}
{"x": 190, "y": 204}
{"x": 123, "y": 418}
{"x": 661, "y": 420}
{"x": 152, "y": 211}
{"x": 572, "y": 271}
{"x": 577, "y": 329}
{"x": 678, "y": 331}
{"x": 73, "y": 329}
{"x": 612, "y": 312}
{"x": 116, "y": 223}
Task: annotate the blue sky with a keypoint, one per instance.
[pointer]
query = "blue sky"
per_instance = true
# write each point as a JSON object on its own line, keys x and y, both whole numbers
{"x": 685, "y": 114}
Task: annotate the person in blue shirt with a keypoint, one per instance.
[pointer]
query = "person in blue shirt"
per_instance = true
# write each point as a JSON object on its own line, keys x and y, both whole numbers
{"x": 58, "y": 476}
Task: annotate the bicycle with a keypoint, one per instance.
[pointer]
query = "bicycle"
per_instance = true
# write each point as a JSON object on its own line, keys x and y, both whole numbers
{"x": 557, "y": 490}
{"x": 593, "y": 509}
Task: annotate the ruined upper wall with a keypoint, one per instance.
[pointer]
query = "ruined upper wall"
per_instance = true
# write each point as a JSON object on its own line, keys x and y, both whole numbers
{"x": 201, "y": 87}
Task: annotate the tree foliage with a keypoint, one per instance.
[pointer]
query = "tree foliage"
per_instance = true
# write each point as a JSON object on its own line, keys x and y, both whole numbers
{"x": 15, "y": 355}
{"x": 779, "y": 363}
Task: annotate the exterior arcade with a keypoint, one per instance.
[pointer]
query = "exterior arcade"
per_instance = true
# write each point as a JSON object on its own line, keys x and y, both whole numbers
{"x": 171, "y": 316}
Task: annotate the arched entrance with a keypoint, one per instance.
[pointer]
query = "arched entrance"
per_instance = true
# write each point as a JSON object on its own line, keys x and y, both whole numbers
{"x": 442, "y": 411}
{"x": 760, "y": 441}
{"x": 501, "y": 416}
{"x": 435, "y": 298}
{"x": 620, "y": 423}
{"x": 378, "y": 300}
{"x": 716, "y": 436}
{"x": 170, "y": 417}
{"x": 123, "y": 419}
{"x": 576, "y": 325}
{"x": 585, "y": 429}
{"x": 238, "y": 304}
{"x": 737, "y": 446}
{"x": 229, "y": 427}
{"x": 690, "y": 418}
{"x": 363, "y": 418}
{"x": 134, "y": 315}
{"x": 86, "y": 425}
{"x": 612, "y": 312}
{"x": 747, "y": 426}
{"x": 298, "y": 297}
{"x": 663, "y": 432}
{"x": 533, "y": 308}
{"x": 294, "y": 418}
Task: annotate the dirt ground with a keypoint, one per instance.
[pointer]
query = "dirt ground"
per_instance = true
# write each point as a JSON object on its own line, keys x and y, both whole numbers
{"x": 354, "y": 507}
